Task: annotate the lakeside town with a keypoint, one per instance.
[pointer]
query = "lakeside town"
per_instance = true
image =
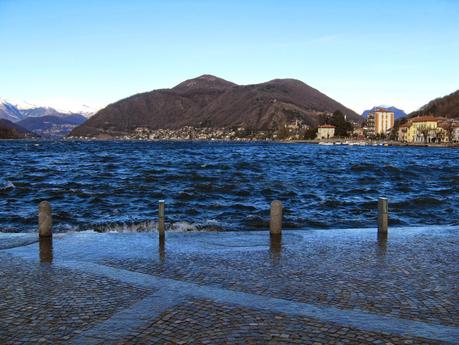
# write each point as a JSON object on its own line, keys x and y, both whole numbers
{"x": 379, "y": 127}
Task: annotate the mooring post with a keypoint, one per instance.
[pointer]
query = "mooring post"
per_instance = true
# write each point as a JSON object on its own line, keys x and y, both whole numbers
{"x": 275, "y": 224}
{"x": 383, "y": 215}
{"x": 45, "y": 219}
{"x": 161, "y": 227}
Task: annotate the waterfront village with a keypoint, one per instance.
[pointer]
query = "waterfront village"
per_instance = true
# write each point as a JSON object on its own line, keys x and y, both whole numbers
{"x": 379, "y": 126}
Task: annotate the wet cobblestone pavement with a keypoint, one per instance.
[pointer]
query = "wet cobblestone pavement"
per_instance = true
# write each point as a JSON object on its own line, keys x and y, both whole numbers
{"x": 43, "y": 304}
{"x": 315, "y": 287}
{"x": 416, "y": 280}
{"x": 206, "y": 322}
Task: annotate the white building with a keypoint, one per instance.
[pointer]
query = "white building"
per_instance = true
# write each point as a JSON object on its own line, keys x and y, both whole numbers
{"x": 455, "y": 134}
{"x": 325, "y": 132}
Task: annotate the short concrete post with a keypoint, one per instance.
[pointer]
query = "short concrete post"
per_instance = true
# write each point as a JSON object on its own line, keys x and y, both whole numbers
{"x": 275, "y": 224}
{"x": 45, "y": 219}
{"x": 383, "y": 215}
{"x": 161, "y": 227}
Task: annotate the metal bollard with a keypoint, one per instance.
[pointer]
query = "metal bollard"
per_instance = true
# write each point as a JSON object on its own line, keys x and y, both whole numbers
{"x": 45, "y": 219}
{"x": 161, "y": 227}
{"x": 275, "y": 224}
{"x": 383, "y": 215}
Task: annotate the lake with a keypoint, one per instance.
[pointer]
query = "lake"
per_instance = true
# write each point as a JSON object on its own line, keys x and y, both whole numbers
{"x": 116, "y": 185}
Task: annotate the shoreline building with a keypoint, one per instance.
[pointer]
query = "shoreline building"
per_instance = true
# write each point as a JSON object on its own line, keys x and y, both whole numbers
{"x": 379, "y": 122}
{"x": 429, "y": 129}
{"x": 404, "y": 134}
{"x": 423, "y": 129}
{"x": 325, "y": 132}
{"x": 455, "y": 134}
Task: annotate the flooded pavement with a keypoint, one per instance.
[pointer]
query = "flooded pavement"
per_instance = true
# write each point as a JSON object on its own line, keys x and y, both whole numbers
{"x": 339, "y": 286}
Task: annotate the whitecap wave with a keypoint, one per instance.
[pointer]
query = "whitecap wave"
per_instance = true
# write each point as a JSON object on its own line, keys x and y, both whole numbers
{"x": 8, "y": 185}
{"x": 152, "y": 226}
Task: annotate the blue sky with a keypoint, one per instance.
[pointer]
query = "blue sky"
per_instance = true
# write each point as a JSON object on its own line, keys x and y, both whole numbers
{"x": 361, "y": 53}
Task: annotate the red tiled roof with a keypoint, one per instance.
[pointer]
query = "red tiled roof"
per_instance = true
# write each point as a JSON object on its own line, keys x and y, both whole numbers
{"x": 327, "y": 126}
{"x": 405, "y": 125}
{"x": 428, "y": 118}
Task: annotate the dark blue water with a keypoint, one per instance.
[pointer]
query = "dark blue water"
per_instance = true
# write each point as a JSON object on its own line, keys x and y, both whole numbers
{"x": 223, "y": 186}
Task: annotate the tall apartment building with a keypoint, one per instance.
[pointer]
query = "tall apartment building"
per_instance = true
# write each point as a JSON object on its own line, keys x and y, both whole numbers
{"x": 379, "y": 121}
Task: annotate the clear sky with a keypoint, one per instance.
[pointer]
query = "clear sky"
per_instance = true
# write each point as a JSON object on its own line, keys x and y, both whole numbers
{"x": 361, "y": 53}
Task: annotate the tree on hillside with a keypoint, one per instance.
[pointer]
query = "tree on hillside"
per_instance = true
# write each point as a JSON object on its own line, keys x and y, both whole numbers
{"x": 283, "y": 132}
{"x": 310, "y": 133}
{"x": 9, "y": 133}
{"x": 342, "y": 127}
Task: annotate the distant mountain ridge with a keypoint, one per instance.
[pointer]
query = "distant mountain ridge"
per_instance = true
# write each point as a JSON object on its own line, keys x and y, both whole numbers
{"x": 40, "y": 111}
{"x": 209, "y": 101}
{"x": 45, "y": 121}
{"x": 447, "y": 106}
{"x": 398, "y": 113}
{"x": 10, "y": 130}
{"x": 52, "y": 126}
{"x": 16, "y": 113}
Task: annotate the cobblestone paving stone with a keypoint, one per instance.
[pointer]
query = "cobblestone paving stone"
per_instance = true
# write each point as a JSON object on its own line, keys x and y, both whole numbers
{"x": 207, "y": 322}
{"x": 412, "y": 280}
{"x": 42, "y": 304}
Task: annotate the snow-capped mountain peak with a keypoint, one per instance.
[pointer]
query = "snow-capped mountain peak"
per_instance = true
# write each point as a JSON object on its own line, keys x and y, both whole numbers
{"x": 17, "y": 111}
{"x": 9, "y": 111}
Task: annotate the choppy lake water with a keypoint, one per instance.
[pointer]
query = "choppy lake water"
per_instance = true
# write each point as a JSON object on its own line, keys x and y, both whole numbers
{"x": 107, "y": 186}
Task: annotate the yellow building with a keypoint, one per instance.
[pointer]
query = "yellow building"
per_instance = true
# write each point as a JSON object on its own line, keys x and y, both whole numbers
{"x": 325, "y": 132}
{"x": 404, "y": 132}
{"x": 422, "y": 129}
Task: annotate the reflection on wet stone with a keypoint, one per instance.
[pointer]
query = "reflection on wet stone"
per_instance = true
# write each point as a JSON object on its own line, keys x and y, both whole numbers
{"x": 162, "y": 249}
{"x": 342, "y": 271}
{"x": 382, "y": 243}
{"x": 45, "y": 304}
{"x": 275, "y": 247}
{"x": 46, "y": 249}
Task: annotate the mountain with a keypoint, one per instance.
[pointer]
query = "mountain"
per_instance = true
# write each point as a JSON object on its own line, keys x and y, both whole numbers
{"x": 447, "y": 106}
{"x": 52, "y": 126}
{"x": 46, "y": 121}
{"x": 40, "y": 111}
{"x": 398, "y": 113}
{"x": 10, "y": 130}
{"x": 9, "y": 112}
{"x": 32, "y": 109}
{"x": 209, "y": 101}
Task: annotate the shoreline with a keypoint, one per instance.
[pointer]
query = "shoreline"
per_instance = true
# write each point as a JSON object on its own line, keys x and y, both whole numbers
{"x": 234, "y": 231}
{"x": 330, "y": 142}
